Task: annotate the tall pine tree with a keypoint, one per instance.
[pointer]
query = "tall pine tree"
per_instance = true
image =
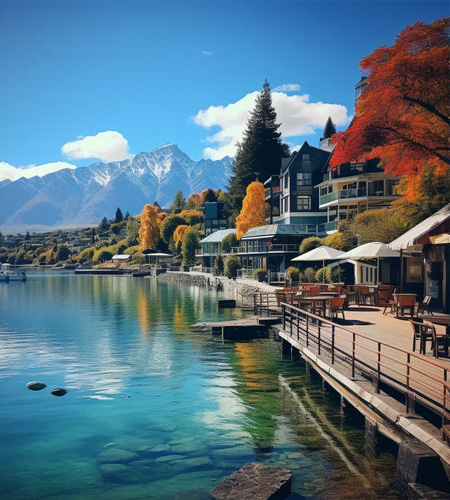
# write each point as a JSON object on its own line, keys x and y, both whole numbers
{"x": 329, "y": 129}
{"x": 119, "y": 215}
{"x": 259, "y": 154}
{"x": 179, "y": 202}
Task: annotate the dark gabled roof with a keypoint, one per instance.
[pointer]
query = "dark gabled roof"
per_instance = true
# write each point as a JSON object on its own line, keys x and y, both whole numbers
{"x": 319, "y": 154}
{"x": 271, "y": 230}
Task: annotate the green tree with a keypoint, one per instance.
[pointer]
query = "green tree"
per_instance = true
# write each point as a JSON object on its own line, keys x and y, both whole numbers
{"x": 62, "y": 253}
{"x": 103, "y": 226}
{"x": 218, "y": 265}
{"x": 259, "y": 154}
{"x": 92, "y": 236}
{"x": 228, "y": 242}
{"x": 231, "y": 265}
{"x": 169, "y": 225}
{"x": 189, "y": 245}
{"x": 179, "y": 202}
{"x": 310, "y": 244}
{"x": 133, "y": 226}
{"x": 119, "y": 216}
{"x": 329, "y": 129}
{"x": 380, "y": 225}
{"x": 1, "y": 238}
{"x": 27, "y": 236}
{"x": 127, "y": 216}
{"x": 210, "y": 195}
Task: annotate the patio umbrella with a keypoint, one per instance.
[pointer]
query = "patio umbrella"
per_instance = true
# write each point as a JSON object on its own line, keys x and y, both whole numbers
{"x": 322, "y": 253}
{"x": 374, "y": 250}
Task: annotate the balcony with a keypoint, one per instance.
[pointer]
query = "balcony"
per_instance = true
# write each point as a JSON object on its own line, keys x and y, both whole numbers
{"x": 263, "y": 249}
{"x": 347, "y": 194}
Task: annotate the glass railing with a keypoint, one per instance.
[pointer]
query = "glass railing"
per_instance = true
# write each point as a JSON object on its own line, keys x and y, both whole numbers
{"x": 328, "y": 197}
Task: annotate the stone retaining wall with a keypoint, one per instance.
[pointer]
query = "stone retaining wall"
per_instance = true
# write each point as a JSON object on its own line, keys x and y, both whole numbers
{"x": 241, "y": 289}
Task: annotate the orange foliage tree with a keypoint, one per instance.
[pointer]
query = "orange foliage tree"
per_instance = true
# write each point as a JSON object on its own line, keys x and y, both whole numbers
{"x": 149, "y": 230}
{"x": 253, "y": 209}
{"x": 179, "y": 232}
{"x": 403, "y": 116}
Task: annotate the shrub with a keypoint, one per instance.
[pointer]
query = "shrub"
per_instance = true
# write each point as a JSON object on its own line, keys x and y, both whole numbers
{"x": 380, "y": 225}
{"x": 310, "y": 275}
{"x": 326, "y": 275}
{"x": 293, "y": 273}
{"x": 229, "y": 242}
{"x": 310, "y": 244}
{"x": 339, "y": 241}
{"x": 232, "y": 265}
{"x": 218, "y": 265}
{"x": 260, "y": 274}
{"x": 102, "y": 255}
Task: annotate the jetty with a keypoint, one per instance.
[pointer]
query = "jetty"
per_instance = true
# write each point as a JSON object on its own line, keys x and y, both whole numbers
{"x": 242, "y": 329}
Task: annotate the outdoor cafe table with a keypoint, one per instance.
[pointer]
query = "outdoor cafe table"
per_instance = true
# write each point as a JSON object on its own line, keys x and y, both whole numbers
{"x": 439, "y": 319}
{"x": 318, "y": 299}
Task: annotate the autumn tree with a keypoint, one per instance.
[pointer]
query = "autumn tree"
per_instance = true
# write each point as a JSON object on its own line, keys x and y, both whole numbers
{"x": 259, "y": 154}
{"x": 253, "y": 209}
{"x": 149, "y": 230}
{"x": 382, "y": 225}
{"x": 169, "y": 225}
{"x": 403, "y": 115}
{"x": 178, "y": 234}
{"x": 192, "y": 216}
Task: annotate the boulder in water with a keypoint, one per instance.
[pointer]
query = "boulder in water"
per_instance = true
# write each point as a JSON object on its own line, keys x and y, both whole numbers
{"x": 59, "y": 392}
{"x": 36, "y": 386}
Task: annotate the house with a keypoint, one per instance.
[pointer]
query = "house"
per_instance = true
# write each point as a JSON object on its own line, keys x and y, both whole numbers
{"x": 425, "y": 258}
{"x": 291, "y": 195}
{"x": 215, "y": 219}
{"x": 211, "y": 246}
{"x": 352, "y": 188}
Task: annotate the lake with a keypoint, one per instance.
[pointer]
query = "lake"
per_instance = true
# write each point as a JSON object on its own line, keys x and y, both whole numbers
{"x": 155, "y": 411}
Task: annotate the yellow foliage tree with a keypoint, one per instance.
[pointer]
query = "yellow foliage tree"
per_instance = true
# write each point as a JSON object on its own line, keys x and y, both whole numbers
{"x": 253, "y": 208}
{"x": 179, "y": 232}
{"x": 149, "y": 230}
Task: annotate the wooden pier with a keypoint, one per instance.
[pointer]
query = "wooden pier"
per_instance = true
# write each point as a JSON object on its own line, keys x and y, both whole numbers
{"x": 241, "y": 329}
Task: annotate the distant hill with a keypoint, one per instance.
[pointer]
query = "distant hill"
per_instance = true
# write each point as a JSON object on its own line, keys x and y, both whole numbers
{"x": 82, "y": 196}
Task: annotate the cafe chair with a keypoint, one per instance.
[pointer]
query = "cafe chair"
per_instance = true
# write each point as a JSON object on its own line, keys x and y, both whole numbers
{"x": 337, "y": 306}
{"x": 440, "y": 343}
{"x": 422, "y": 333}
{"x": 405, "y": 303}
{"x": 425, "y": 305}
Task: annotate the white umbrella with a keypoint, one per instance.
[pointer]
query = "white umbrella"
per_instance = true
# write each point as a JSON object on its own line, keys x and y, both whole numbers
{"x": 157, "y": 255}
{"x": 322, "y": 253}
{"x": 374, "y": 250}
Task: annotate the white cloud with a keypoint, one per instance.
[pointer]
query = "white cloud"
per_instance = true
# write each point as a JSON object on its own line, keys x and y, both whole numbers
{"x": 107, "y": 146}
{"x": 8, "y": 171}
{"x": 297, "y": 115}
{"x": 207, "y": 53}
{"x": 287, "y": 87}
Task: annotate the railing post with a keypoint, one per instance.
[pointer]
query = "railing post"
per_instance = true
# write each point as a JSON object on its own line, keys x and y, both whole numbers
{"x": 332, "y": 344}
{"x": 444, "y": 392}
{"x": 290, "y": 321}
{"x": 283, "y": 315}
{"x": 379, "y": 367}
{"x": 353, "y": 354}
{"x": 408, "y": 360}
{"x": 298, "y": 325}
{"x": 318, "y": 339}
{"x": 307, "y": 332}
{"x": 260, "y": 304}
{"x": 255, "y": 310}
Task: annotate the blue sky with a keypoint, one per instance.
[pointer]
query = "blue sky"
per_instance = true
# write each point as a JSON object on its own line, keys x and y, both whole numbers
{"x": 145, "y": 71}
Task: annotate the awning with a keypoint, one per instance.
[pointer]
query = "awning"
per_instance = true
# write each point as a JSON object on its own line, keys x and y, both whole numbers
{"x": 409, "y": 238}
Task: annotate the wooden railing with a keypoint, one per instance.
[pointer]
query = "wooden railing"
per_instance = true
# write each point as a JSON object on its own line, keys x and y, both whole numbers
{"x": 417, "y": 377}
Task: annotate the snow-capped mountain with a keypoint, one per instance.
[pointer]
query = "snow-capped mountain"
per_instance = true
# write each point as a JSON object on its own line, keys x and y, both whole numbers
{"x": 86, "y": 194}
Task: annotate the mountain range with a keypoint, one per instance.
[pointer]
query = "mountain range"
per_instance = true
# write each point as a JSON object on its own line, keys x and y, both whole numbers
{"x": 83, "y": 196}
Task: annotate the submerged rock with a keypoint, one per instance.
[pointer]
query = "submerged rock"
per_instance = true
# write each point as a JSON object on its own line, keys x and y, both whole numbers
{"x": 255, "y": 482}
{"x": 36, "y": 386}
{"x": 116, "y": 455}
{"x": 59, "y": 392}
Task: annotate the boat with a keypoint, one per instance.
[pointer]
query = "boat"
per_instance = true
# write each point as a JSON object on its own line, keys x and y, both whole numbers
{"x": 7, "y": 274}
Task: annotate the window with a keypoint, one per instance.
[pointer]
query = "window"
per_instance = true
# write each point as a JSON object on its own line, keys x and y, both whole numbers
{"x": 286, "y": 181}
{"x": 304, "y": 179}
{"x": 303, "y": 203}
{"x": 305, "y": 157}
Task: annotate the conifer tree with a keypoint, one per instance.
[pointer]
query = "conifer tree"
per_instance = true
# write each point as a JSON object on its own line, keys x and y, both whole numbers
{"x": 119, "y": 215}
{"x": 127, "y": 216}
{"x": 104, "y": 224}
{"x": 259, "y": 154}
{"x": 329, "y": 129}
{"x": 179, "y": 202}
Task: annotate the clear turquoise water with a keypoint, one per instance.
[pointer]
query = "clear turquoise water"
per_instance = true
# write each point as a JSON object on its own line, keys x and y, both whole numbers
{"x": 175, "y": 411}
